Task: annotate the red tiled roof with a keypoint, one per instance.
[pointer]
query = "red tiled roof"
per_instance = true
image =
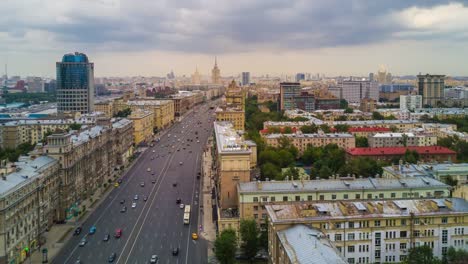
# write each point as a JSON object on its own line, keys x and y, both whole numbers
{"x": 398, "y": 151}
{"x": 368, "y": 129}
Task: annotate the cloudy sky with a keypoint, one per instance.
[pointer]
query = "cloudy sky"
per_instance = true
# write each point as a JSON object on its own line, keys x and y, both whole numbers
{"x": 151, "y": 37}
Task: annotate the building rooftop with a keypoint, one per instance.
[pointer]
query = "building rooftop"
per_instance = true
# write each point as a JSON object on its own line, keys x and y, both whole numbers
{"x": 28, "y": 170}
{"x": 228, "y": 109}
{"x": 368, "y": 129}
{"x": 375, "y": 122}
{"x": 398, "y": 151}
{"x": 315, "y": 135}
{"x": 148, "y": 102}
{"x": 227, "y": 139}
{"x": 432, "y": 170}
{"x": 86, "y": 135}
{"x": 29, "y": 122}
{"x": 337, "y": 185}
{"x": 395, "y": 135}
{"x": 336, "y": 210}
{"x": 119, "y": 123}
{"x": 306, "y": 245}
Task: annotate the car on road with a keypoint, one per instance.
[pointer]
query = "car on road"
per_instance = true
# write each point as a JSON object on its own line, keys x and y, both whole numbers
{"x": 135, "y": 197}
{"x": 152, "y": 173}
{"x": 174, "y": 184}
{"x": 180, "y": 163}
{"x": 92, "y": 230}
{"x": 145, "y": 198}
{"x": 119, "y": 181}
{"x": 181, "y": 206}
{"x": 106, "y": 237}
{"x": 77, "y": 231}
{"x": 112, "y": 257}
{"x": 153, "y": 181}
{"x": 198, "y": 141}
{"x": 78, "y": 261}
{"x": 194, "y": 236}
{"x": 154, "y": 259}
{"x": 142, "y": 184}
{"x": 122, "y": 201}
{"x": 124, "y": 209}
{"x": 116, "y": 184}
{"x": 133, "y": 205}
{"x": 149, "y": 169}
{"x": 190, "y": 151}
{"x": 178, "y": 201}
{"x": 175, "y": 251}
{"x": 118, "y": 233}
{"x": 152, "y": 158}
{"x": 154, "y": 151}
{"x": 82, "y": 242}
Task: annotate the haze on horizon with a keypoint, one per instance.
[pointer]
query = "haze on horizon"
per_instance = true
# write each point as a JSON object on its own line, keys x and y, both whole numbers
{"x": 151, "y": 38}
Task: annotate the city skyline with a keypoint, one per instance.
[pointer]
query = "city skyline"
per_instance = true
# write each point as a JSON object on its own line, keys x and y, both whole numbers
{"x": 151, "y": 38}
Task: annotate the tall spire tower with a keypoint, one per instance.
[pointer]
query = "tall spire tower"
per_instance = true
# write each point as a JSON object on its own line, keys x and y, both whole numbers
{"x": 216, "y": 73}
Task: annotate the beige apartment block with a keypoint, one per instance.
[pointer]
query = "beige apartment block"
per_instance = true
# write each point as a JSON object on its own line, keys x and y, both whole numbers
{"x": 303, "y": 141}
{"x": 88, "y": 160}
{"x": 163, "y": 110}
{"x": 401, "y": 139}
{"x": 375, "y": 231}
{"x": 143, "y": 126}
{"x": 254, "y": 196}
{"x": 28, "y": 206}
{"x": 106, "y": 107}
{"x": 18, "y": 132}
{"x": 234, "y": 115}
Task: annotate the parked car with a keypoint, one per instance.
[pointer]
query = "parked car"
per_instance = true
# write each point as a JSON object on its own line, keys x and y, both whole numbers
{"x": 77, "y": 231}
{"x": 92, "y": 230}
{"x": 82, "y": 242}
{"x": 112, "y": 257}
{"x": 118, "y": 233}
{"x": 106, "y": 237}
{"x": 175, "y": 251}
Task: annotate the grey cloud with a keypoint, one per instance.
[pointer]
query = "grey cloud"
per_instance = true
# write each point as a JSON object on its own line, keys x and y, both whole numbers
{"x": 211, "y": 26}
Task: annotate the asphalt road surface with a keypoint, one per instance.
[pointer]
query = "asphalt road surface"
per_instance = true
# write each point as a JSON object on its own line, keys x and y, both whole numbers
{"x": 155, "y": 226}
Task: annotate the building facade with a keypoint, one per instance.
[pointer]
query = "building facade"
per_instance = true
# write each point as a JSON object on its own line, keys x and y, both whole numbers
{"x": 216, "y": 73}
{"x": 75, "y": 84}
{"x": 353, "y": 91}
{"x": 163, "y": 110}
{"x": 28, "y": 206}
{"x": 143, "y": 126}
{"x": 254, "y": 196}
{"x": 377, "y": 231}
{"x": 288, "y": 91}
{"x": 303, "y": 141}
{"x": 410, "y": 102}
{"x": 245, "y": 78}
{"x": 233, "y": 115}
{"x": 401, "y": 139}
{"x": 105, "y": 107}
{"x": 431, "y": 87}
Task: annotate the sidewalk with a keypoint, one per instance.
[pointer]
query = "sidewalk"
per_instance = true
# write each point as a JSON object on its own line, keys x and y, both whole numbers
{"x": 209, "y": 230}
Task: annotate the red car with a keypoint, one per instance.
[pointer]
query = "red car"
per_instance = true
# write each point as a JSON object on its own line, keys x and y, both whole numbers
{"x": 118, "y": 233}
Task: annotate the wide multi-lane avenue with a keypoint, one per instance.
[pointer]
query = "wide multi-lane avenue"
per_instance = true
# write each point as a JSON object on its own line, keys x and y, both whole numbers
{"x": 161, "y": 175}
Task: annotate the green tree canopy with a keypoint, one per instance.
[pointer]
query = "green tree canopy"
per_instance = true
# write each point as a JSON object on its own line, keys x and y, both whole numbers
{"x": 421, "y": 255}
{"x": 225, "y": 246}
{"x": 342, "y": 128}
{"x": 348, "y": 110}
{"x": 362, "y": 142}
{"x": 75, "y": 126}
{"x": 377, "y": 116}
{"x": 250, "y": 237}
{"x": 411, "y": 156}
{"x": 309, "y": 129}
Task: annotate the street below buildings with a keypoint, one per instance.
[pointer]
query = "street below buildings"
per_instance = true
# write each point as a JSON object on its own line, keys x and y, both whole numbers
{"x": 161, "y": 175}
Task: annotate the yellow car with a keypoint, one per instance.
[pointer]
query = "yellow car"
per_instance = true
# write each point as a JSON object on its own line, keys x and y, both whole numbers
{"x": 116, "y": 184}
{"x": 194, "y": 236}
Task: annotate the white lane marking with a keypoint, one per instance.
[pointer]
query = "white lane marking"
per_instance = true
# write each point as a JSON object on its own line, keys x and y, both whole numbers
{"x": 163, "y": 175}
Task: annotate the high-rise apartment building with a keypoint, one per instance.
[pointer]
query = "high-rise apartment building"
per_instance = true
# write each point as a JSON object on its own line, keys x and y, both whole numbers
{"x": 431, "y": 87}
{"x": 288, "y": 91}
{"x": 245, "y": 78}
{"x": 300, "y": 77}
{"x": 354, "y": 90}
{"x": 410, "y": 102}
{"x": 216, "y": 73}
{"x": 75, "y": 84}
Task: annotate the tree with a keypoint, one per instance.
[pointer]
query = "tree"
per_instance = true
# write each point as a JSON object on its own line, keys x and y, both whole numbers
{"x": 342, "y": 128}
{"x": 343, "y": 104}
{"x": 300, "y": 119}
{"x": 362, "y": 142}
{"x": 75, "y": 126}
{"x": 457, "y": 256}
{"x": 404, "y": 140}
{"x": 263, "y": 239}
{"x": 309, "y": 129}
{"x": 124, "y": 113}
{"x": 325, "y": 128}
{"x": 421, "y": 255}
{"x": 249, "y": 235}
{"x": 225, "y": 246}
{"x": 287, "y": 130}
{"x": 291, "y": 172}
{"x": 349, "y": 110}
{"x": 270, "y": 171}
{"x": 325, "y": 172}
{"x": 411, "y": 156}
{"x": 377, "y": 116}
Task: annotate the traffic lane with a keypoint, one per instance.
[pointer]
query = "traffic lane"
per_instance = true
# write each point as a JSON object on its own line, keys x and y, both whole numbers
{"x": 126, "y": 193}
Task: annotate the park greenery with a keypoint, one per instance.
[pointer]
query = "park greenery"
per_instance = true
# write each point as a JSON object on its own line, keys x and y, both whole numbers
{"x": 425, "y": 255}
{"x": 225, "y": 246}
{"x": 12, "y": 155}
{"x": 454, "y": 143}
{"x": 461, "y": 122}
{"x": 123, "y": 113}
{"x": 29, "y": 98}
{"x": 249, "y": 233}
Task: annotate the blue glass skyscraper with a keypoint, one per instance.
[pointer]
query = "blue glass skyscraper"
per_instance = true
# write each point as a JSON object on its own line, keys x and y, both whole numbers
{"x": 75, "y": 84}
